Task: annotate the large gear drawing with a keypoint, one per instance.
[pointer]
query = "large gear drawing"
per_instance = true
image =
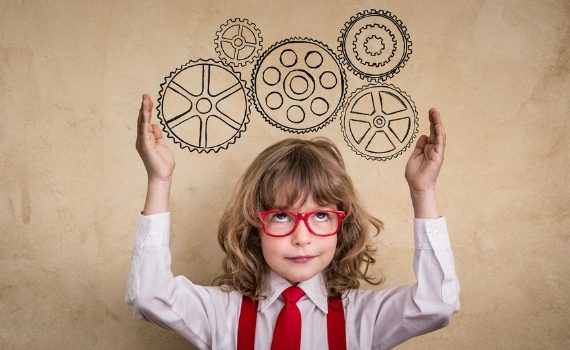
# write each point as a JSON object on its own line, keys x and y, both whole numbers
{"x": 238, "y": 42}
{"x": 203, "y": 106}
{"x": 374, "y": 45}
{"x": 298, "y": 85}
{"x": 379, "y": 121}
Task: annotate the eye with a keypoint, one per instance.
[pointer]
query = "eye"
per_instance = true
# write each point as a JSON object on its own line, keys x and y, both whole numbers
{"x": 321, "y": 216}
{"x": 281, "y": 217}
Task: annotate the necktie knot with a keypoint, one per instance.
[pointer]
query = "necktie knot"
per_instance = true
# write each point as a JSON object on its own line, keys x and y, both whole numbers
{"x": 292, "y": 294}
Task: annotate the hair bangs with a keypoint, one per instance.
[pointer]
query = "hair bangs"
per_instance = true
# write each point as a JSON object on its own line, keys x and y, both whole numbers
{"x": 300, "y": 176}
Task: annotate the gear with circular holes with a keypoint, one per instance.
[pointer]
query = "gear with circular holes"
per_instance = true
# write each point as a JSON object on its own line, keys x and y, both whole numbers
{"x": 203, "y": 106}
{"x": 238, "y": 42}
{"x": 374, "y": 45}
{"x": 298, "y": 85}
{"x": 379, "y": 121}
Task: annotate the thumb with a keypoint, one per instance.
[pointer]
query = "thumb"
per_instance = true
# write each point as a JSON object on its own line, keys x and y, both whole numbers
{"x": 420, "y": 145}
{"x": 157, "y": 133}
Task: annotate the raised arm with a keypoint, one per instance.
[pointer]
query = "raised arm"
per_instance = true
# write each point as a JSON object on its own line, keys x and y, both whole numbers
{"x": 156, "y": 295}
{"x": 399, "y": 313}
{"x": 157, "y": 158}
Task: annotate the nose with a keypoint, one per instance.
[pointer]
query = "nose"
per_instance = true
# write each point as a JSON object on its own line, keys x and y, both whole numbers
{"x": 301, "y": 236}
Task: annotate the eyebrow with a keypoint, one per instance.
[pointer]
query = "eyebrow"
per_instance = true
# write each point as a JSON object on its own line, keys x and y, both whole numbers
{"x": 315, "y": 208}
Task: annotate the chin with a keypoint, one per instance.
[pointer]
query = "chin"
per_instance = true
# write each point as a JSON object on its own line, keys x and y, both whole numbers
{"x": 299, "y": 277}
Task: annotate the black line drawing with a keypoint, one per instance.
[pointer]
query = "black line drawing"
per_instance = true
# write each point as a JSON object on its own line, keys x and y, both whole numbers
{"x": 238, "y": 42}
{"x": 379, "y": 121}
{"x": 375, "y": 45}
{"x": 298, "y": 85}
{"x": 203, "y": 106}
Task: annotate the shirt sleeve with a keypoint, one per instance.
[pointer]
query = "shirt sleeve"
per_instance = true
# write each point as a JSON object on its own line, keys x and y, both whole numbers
{"x": 399, "y": 313}
{"x": 171, "y": 302}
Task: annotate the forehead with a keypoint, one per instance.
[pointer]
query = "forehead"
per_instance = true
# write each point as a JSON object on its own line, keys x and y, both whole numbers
{"x": 302, "y": 203}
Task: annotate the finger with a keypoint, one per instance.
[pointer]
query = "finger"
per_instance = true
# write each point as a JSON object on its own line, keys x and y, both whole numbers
{"x": 146, "y": 132}
{"x": 140, "y": 119}
{"x": 145, "y": 112}
{"x": 147, "y": 108}
{"x": 432, "y": 118}
{"x": 440, "y": 139}
{"x": 420, "y": 145}
{"x": 435, "y": 120}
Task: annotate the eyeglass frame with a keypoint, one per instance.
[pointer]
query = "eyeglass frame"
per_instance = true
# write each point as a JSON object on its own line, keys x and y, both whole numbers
{"x": 301, "y": 217}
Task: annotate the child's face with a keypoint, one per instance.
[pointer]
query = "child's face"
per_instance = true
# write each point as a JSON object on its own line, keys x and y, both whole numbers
{"x": 301, "y": 255}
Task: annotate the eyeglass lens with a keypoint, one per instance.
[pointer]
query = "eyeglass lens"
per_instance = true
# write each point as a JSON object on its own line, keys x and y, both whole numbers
{"x": 282, "y": 223}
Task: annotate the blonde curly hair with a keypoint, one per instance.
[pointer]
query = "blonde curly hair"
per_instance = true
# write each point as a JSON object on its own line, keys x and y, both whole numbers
{"x": 307, "y": 169}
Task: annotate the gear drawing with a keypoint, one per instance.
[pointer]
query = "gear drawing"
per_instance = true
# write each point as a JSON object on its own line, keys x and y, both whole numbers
{"x": 379, "y": 46}
{"x": 379, "y": 122}
{"x": 374, "y": 45}
{"x": 203, "y": 106}
{"x": 238, "y": 42}
{"x": 298, "y": 85}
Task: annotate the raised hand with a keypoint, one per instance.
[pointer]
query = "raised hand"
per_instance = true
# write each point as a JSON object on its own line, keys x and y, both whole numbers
{"x": 423, "y": 167}
{"x": 158, "y": 159}
{"x": 425, "y": 161}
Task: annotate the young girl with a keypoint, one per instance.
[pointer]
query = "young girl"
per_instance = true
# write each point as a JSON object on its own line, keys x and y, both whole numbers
{"x": 296, "y": 241}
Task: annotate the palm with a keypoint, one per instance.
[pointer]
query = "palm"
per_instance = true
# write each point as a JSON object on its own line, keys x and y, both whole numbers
{"x": 425, "y": 161}
{"x": 161, "y": 158}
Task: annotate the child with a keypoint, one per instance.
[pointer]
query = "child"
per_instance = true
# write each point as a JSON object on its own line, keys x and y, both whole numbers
{"x": 296, "y": 243}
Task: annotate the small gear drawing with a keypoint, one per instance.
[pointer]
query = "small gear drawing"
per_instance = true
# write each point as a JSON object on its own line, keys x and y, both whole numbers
{"x": 379, "y": 47}
{"x": 298, "y": 85}
{"x": 238, "y": 42}
{"x": 203, "y": 106}
{"x": 370, "y": 45}
{"x": 374, "y": 28}
{"x": 379, "y": 122}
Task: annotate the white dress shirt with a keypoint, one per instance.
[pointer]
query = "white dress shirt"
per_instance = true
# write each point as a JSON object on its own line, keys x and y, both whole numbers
{"x": 208, "y": 317}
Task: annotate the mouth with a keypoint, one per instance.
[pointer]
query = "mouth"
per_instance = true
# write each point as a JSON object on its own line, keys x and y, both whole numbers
{"x": 301, "y": 258}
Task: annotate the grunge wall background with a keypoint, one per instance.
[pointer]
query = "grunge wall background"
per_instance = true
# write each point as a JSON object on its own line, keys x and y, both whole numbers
{"x": 71, "y": 184}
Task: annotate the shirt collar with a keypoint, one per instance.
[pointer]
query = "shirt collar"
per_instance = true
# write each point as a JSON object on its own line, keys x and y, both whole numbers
{"x": 314, "y": 289}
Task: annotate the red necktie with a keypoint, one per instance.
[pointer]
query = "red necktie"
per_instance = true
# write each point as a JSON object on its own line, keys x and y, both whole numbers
{"x": 287, "y": 333}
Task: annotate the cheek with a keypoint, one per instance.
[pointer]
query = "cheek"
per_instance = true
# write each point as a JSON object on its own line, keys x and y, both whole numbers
{"x": 329, "y": 247}
{"x": 270, "y": 248}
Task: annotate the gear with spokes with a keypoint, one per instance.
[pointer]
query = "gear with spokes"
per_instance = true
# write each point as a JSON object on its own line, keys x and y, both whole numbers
{"x": 203, "y": 106}
{"x": 379, "y": 121}
{"x": 298, "y": 85}
{"x": 238, "y": 42}
{"x": 374, "y": 45}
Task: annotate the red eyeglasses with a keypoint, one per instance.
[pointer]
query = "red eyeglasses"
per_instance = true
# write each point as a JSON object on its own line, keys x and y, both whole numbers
{"x": 280, "y": 223}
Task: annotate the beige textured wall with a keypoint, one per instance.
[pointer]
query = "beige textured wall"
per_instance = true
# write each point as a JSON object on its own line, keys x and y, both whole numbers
{"x": 71, "y": 182}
